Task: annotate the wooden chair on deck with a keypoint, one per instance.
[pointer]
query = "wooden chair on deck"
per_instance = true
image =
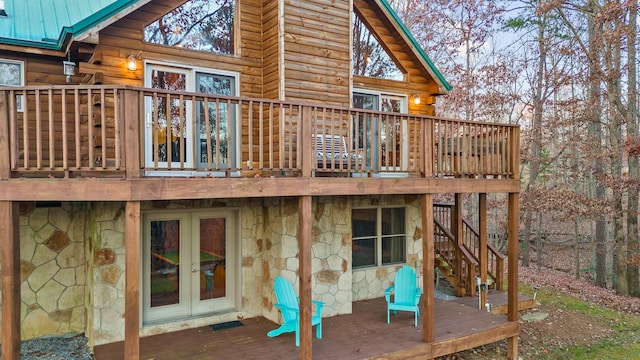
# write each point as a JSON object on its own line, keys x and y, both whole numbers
{"x": 406, "y": 293}
{"x": 288, "y": 304}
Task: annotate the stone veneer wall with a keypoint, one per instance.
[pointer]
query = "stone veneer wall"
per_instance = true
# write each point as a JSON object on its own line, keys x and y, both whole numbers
{"x": 109, "y": 259}
{"x": 371, "y": 282}
{"x": 52, "y": 269}
{"x": 330, "y": 251}
{"x": 105, "y": 239}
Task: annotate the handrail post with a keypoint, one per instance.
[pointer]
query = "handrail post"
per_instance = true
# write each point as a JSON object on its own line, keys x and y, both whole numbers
{"x": 304, "y": 141}
{"x": 5, "y": 153}
{"x": 429, "y": 144}
{"x": 132, "y": 120}
{"x": 514, "y": 150}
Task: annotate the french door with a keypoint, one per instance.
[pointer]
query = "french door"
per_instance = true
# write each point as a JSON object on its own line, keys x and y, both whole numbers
{"x": 188, "y": 264}
{"x": 373, "y": 135}
{"x": 170, "y": 127}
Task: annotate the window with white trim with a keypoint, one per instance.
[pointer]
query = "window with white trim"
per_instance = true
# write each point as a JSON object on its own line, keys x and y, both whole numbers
{"x": 379, "y": 236}
{"x": 12, "y": 74}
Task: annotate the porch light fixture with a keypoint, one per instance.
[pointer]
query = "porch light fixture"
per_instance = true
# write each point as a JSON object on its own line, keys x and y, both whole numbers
{"x": 3, "y": 13}
{"x": 69, "y": 68}
{"x": 416, "y": 99}
{"x": 132, "y": 63}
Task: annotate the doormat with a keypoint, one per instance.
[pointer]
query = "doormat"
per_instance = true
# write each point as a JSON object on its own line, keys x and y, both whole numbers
{"x": 226, "y": 325}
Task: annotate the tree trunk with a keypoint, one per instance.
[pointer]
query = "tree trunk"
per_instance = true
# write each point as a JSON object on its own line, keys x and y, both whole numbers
{"x": 634, "y": 172}
{"x": 595, "y": 132}
{"x": 612, "y": 56}
{"x": 536, "y": 146}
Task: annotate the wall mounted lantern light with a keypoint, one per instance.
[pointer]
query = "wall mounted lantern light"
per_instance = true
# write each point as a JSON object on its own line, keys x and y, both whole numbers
{"x": 132, "y": 63}
{"x": 416, "y": 99}
{"x": 69, "y": 68}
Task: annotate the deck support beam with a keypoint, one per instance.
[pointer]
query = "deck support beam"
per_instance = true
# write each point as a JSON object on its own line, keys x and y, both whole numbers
{"x": 10, "y": 242}
{"x": 132, "y": 281}
{"x": 428, "y": 263}
{"x": 512, "y": 291}
{"x": 484, "y": 250}
{"x": 305, "y": 219}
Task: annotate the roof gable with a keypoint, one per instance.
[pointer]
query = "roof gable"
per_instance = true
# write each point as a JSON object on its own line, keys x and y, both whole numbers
{"x": 397, "y": 38}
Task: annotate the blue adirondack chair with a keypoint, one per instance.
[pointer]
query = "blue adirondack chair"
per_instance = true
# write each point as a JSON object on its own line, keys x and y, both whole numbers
{"x": 288, "y": 304}
{"x": 406, "y": 293}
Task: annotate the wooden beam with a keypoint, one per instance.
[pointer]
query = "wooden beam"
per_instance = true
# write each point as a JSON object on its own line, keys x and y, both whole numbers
{"x": 428, "y": 263}
{"x": 11, "y": 297}
{"x": 132, "y": 281}
{"x": 512, "y": 291}
{"x": 484, "y": 250}
{"x": 165, "y": 188}
{"x": 305, "y": 218}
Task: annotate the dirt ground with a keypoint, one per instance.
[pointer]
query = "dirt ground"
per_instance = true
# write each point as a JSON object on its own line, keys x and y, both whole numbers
{"x": 561, "y": 328}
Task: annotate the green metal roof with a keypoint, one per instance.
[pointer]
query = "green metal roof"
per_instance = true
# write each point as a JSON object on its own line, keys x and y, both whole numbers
{"x": 48, "y": 24}
{"x": 444, "y": 84}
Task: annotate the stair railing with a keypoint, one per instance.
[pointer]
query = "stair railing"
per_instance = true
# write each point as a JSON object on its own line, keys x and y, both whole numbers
{"x": 446, "y": 247}
{"x": 495, "y": 259}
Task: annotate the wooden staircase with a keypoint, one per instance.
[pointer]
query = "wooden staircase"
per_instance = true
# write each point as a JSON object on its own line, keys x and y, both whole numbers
{"x": 458, "y": 257}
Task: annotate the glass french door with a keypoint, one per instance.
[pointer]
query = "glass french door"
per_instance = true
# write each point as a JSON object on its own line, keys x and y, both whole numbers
{"x": 188, "y": 264}
{"x": 216, "y": 122}
{"x": 373, "y": 135}
{"x": 366, "y": 129}
{"x": 168, "y": 120}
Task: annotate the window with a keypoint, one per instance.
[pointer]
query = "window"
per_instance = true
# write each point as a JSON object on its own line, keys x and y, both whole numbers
{"x": 378, "y": 236}
{"x": 12, "y": 74}
{"x": 203, "y": 25}
{"x": 369, "y": 58}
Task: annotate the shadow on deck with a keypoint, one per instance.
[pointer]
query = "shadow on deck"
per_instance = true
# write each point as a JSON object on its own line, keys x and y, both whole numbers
{"x": 364, "y": 334}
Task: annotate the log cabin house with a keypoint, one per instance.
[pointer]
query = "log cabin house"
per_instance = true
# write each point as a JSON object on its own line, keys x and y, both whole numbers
{"x": 162, "y": 161}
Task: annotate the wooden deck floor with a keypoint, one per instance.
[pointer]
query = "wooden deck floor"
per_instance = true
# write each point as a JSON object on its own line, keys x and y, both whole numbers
{"x": 364, "y": 334}
{"x": 498, "y": 301}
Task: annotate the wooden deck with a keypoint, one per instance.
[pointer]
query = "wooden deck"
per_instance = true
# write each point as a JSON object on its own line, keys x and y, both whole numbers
{"x": 364, "y": 334}
{"x": 498, "y": 301}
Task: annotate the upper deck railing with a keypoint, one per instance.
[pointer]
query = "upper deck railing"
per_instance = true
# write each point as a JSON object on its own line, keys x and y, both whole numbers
{"x": 101, "y": 131}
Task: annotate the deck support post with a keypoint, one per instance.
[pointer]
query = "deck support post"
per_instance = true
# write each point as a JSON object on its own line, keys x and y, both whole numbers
{"x": 428, "y": 263}
{"x": 132, "y": 281}
{"x": 11, "y": 297}
{"x": 305, "y": 219}
{"x": 512, "y": 292}
{"x": 484, "y": 251}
